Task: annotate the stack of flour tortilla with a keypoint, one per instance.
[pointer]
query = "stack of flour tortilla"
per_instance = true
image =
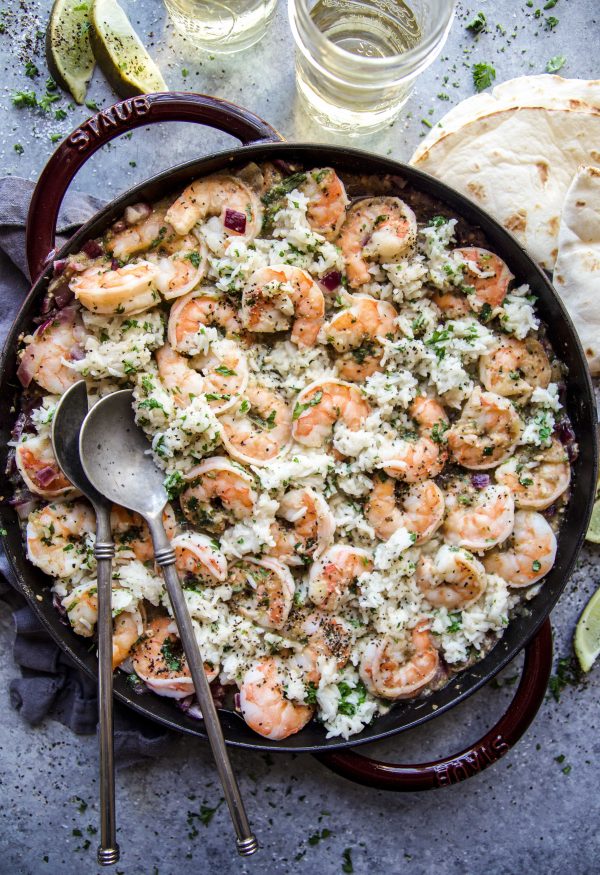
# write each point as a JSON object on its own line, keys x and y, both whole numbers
{"x": 528, "y": 153}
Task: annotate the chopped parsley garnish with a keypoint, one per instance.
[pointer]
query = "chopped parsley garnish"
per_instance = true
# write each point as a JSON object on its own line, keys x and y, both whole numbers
{"x": 483, "y": 75}
{"x": 31, "y": 71}
{"x": 300, "y": 408}
{"x": 536, "y": 565}
{"x": 316, "y": 837}
{"x": 346, "y": 691}
{"x": 551, "y": 22}
{"x": 437, "y": 221}
{"x": 456, "y": 623}
{"x": 477, "y": 24}
{"x": 174, "y": 483}
{"x": 172, "y": 660}
{"x": 568, "y": 673}
{"x": 486, "y": 313}
{"x": 194, "y": 257}
{"x": 224, "y": 371}
{"x": 310, "y": 696}
{"x": 18, "y": 148}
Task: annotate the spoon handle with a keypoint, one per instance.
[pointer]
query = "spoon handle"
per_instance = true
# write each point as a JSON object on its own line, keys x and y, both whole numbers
{"x": 104, "y": 550}
{"x": 165, "y": 556}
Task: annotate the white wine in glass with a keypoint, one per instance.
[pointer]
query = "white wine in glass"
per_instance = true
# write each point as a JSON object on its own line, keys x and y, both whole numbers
{"x": 221, "y": 28}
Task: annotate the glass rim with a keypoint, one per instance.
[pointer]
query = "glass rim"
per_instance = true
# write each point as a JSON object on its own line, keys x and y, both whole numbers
{"x": 412, "y": 58}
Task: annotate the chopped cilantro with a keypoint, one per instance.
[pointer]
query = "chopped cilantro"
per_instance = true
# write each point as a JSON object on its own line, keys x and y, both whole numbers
{"x": 347, "y": 866}
{"x": 174, "y": 483}
{"x": 194, "y": 257}
{"x": 551, "y": 22}
{"x": 477, "y": 24}
{"x": 316, "y": 837}
{"x": 483, "y": 75}
{"x": 18, "y": 148}
{"x": 300, "y": 408}
{"x": 31, "y": 71}
{"x": 456, "y": 623}
{"x": 172, "y": 660}
{"x": 225, "y": 371}
{"x": 310, "y": 696}
{"x": 91, "y": 104}
{"x": 20, "y": 99}
{"x": 555, "y": 64}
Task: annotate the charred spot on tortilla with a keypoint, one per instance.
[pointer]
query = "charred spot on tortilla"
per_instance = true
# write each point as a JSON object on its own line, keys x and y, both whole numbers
{"x": 517, "y": 222}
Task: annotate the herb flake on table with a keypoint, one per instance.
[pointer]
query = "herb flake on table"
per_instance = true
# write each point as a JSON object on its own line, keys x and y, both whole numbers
{"x": 555, "y": 64}
{"x": 347, "y": 861}
{"x": 551, "y": 22}
{"x": 483, "y": 75}
{"x": 477, "y": 24}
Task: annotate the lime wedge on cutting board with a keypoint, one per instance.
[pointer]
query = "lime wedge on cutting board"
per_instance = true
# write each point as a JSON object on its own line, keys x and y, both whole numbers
{"x": 68, "y": 50}
{"x": 120, "y": 53}
{"x": 587, "y": 633}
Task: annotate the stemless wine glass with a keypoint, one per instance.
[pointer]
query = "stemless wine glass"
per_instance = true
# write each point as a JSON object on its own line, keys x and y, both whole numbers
{"x": 356, "y": 60}
{"x": 221, "y": 28}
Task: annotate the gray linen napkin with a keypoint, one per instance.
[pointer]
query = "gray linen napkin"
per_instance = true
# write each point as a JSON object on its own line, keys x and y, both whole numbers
{"x": 51, "y": 684}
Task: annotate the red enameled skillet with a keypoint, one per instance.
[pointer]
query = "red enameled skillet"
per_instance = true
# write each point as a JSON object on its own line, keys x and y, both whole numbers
{"x": 260, "y": 142}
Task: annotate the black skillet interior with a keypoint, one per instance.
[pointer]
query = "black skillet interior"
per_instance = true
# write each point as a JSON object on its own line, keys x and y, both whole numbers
{"x": 429, "y": 196}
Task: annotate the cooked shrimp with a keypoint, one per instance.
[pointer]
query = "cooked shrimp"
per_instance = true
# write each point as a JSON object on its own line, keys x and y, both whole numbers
{"x": 158, "y": 659}
{"x": 60, "y": 538}
{"x": 320, "y": 405}
{"x": 379, "y": 228}
{"x": 258, "y": 428}
{"x": 141, "y": 227}
{"x": 198, "y": 556}
{"x": 487, "y": 431}
{"x": 264, "y": 591}
{"x": 180, "y": 273}
{"x": 82, "y": 610}
{"x": 128, "y": 289}
{"x": 278, "y": 295}
{"x": 420, "y": 509}
{"x": 39, "y": 469}
{"x": 452, "y": 305}
{"x": 424, "y": 458}
{"x": 485, "y": 277}
{"x": 264, "y": 706}
{"x": 219, "y": 195}
{"x": 514, "y": 368}
{"x": 51, "y": 348}
{"x": 334, "y": 576}
{"x": 309, "y": 530}
{"x": 178, "y": 377}
{"x": 218, "y": 493}
{"x": 131, "y": 535}
{"x": 324, "y": 635}
{"x": 536, "y": 478}
{"x": 128, "y": 626}
{"x": 327, "y": 201}
{"x": 451, "y": 579}
{"x": 530, "y": 553}
{"x": 356, "y": 331}
{"x": 225, "y": 371}
{"x": 393, "y": 670}
{"x": 189, "y": 317}
{"x": 479, "y": 520}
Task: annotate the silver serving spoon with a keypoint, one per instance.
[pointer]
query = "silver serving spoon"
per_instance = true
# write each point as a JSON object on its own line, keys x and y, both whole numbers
{"x": 115, "y": 456}
{"x": 68, "y": 418}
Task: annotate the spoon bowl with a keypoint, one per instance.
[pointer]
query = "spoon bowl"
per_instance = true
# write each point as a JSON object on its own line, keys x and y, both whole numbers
{"x": 115, "y": 456}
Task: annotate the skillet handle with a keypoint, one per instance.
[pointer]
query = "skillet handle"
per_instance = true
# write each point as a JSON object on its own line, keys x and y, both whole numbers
{"x": 132, "y": 113}
{"x": 475, "y": 758}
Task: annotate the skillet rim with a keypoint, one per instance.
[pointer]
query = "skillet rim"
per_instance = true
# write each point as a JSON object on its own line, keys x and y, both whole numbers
{"x": 523, "y": 627}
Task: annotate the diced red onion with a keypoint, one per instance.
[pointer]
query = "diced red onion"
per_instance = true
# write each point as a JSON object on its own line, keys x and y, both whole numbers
{"x": 235, "y": 221}
{"x": 480, "y": 481}
{"x": 63, "y": 296}
{"x": 136, "y": 212}
{"x": 25, "y": 370}
{"x": 331, "y": 280}
{"x": 76, "y": 353}
{"x": 190, "y": 706}
{"x": 92, "y": 249}
{"x": 59, "y": 266}
{"x": 114, "y": 264}
{"x": 58, "y": 606}
{"x": 564, "y": 432}
{"x": 45, "y": 476}
{"x": 119, "y": 226}
{"x": 237, "y": 702}
{"x": 549, "y": 512}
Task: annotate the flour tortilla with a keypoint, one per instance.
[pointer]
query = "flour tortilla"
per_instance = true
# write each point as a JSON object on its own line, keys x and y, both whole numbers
{"x": 544, "y": 91}
{"x": 577, "y": 272}
{"x": 518, "y": 164}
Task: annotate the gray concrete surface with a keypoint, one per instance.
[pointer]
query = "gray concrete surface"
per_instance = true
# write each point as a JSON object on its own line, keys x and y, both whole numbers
{"x": 537, "y": 809}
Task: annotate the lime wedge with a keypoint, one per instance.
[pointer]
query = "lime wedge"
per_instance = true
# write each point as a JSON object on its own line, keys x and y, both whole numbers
{"x": 593, "y": 532}
{"x": 587, "y": 633}
{"x": 68, "y": 50}
{"x": 120, "y": 53}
